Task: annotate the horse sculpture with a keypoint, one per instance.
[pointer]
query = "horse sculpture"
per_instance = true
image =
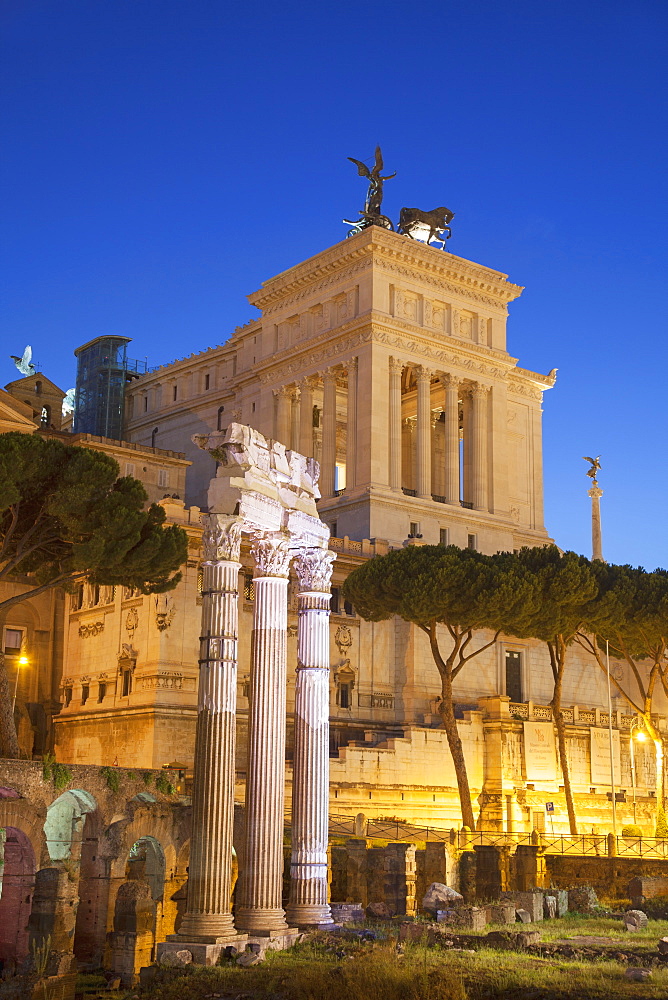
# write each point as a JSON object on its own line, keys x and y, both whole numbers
{"x": 416, "y": 220}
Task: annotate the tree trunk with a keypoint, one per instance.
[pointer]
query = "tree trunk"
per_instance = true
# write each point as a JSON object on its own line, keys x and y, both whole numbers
{"x": 561, "y": 740}
{"x": 454, "y": 742}
{"x": 9, "y": 743}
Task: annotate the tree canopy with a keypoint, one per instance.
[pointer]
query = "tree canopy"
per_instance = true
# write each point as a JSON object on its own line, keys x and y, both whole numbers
{"x": 65, "y": 516}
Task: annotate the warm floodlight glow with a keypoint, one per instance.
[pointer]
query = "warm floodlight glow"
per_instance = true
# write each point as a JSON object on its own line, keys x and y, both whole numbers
{"x": 23, "y": 661}
{"x": 641, "y": 736}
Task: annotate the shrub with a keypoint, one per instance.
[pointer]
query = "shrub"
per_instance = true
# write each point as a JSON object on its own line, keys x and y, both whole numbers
{"x": 147, "y": 777}
{"x": 661, "y": 824}
{"x": 657, "y": 907}
{"x": 631, "y": 831}
{"x": 60, "y": 774}
{"x": 112, "y": 777}
{"x": 164, "y": 785}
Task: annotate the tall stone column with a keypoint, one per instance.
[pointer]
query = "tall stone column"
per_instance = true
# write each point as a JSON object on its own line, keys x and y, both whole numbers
{"x": 437, "y": 466}
{"x": 260, "y": 911}
{"x": 328, "y": 433}
{"x": 310, "y": 784}
{"x": 396, "y": 368}
{"x": 283, "y": 415}
{"x": 306, "y": 386}
{"x": 351, "y": 428}
{"x": 208, "y": 917}
{"x": 295, "y": 420}
{"x": 452, "y": 487}
{"x": 479, "y": 445}
{"x": 423, "y": 376}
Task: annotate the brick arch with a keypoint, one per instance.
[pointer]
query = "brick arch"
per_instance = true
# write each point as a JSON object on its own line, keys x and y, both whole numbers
{"x": 18, "y": 885}
{"x": 26, "y": 817}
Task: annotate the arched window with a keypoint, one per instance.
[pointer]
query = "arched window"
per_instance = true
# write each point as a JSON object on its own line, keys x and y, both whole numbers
{"x": 221, "y": 419}
{"x": 38, "y": 387}
{"x": 45, "y": 418}
{"x": 154, "y": 434}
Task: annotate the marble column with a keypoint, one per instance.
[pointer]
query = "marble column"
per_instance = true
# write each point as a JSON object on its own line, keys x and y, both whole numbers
{"x": 328, "y": 433}
{"x": 283, "y": 415}
{"x": 295, "y": 420}
{"x": 310, "y": 784}
{"x": 396, "y": 368}
{"x": 208, "y": 916}
{"x": 351, "y": 425}
{"x": 452, "y": 487}
{"x": 423, "y": 376}
{"x": 479, "y": 445}
{"x": 306, "y": 386}
{"x": 437, "y": 463}
{"x": 260, "y": 910}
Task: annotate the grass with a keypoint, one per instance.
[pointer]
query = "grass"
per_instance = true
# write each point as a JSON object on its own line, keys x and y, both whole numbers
{"x": 324, "y": 967}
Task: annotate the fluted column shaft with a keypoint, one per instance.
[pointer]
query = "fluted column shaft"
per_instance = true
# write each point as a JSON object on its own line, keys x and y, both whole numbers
{"x": 306, "y": 386}
{"x": 262, "y": 878}
{"x": 283, "y": 415}
{"x": 479, "y": 450}
{"x": 452, "y": 486}
{"x": 208, "y": 910}
{"x": 310, "y": 786}
{"x": 396, "y": 367}
{"x": 351, "y": 429}
{"x": 423, "y": 376}
{"x": 328, "y": 434}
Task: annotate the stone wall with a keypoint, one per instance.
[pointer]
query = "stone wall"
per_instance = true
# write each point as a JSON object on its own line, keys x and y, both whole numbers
{"x": 610, "y": 877}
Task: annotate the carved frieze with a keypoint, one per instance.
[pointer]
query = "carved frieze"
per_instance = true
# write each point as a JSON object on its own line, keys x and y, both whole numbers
{"x": 90, "y": 629}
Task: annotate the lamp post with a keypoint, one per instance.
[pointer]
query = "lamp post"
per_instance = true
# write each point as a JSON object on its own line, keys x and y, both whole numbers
{"x": 640, "y": 736}
{"x": 22, "y": 662}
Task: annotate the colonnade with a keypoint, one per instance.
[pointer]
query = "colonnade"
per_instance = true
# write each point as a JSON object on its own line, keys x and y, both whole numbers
{"x": 452, "y": 478}
{"x": 208, "y": 917}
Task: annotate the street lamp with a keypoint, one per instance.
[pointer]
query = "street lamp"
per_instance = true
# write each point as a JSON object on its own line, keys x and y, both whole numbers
{"x": 640, "y": 736}
{"x": 22, "y": 662}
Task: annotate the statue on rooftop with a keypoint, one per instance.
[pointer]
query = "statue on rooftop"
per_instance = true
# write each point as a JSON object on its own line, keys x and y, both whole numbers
{"x": 371, "y": 214}
{"x": 24, "y": 364}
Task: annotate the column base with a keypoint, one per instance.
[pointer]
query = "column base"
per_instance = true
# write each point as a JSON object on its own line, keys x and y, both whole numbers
{"x": 314, "y": 916}
{"x": 262, "y": 922}
{"x": 205, "y": 951}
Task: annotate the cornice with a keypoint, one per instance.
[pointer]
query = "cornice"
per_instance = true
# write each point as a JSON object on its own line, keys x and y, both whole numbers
{"x": 393, "y": 252}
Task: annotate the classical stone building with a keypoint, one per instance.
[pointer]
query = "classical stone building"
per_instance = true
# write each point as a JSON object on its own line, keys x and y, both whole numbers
{"x": 386, "y": 359}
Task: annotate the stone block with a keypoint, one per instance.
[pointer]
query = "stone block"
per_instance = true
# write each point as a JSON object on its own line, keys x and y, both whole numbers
{"x": 531, "y": 901}
{"x": 561, "y": 895}
{"x": 439, "y": 897}
{"x": 641, "y": 888}
{"x": 512, "y": 940}
{"x": 471, "y": 917}
{"x": 378, "y": 911}
{"x": 582, "y": 899}
{"x": 523, "y": 916}
{"x": 347, "y": 913}
{"x": 500, "y": 913}
{"x": 409, "y": 931}
{"x": 663, "y": 946}
{"x": 549, "y": 907}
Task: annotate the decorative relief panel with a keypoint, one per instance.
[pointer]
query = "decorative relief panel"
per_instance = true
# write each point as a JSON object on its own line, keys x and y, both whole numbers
{"x": 93, "y": 628}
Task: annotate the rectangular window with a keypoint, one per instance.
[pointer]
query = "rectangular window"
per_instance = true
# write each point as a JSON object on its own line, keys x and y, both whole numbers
{"x": 145, "y": 403}
{"x": 443, "y": 536}
{"x": 85, "y": 691}
{"x": 127, "y": 683}
{"x": 207, "y": 381}
{"x": 348, "y": 609}
{"x": 163, "y": 477}
{"x": 129, "y": 469}
{"x": 175, "y": 392}
{"x": 344, "y": 696}
{"x": 13, "y": 641}
{"x": 77, "y": 598}
{"x": 94, "y": 595}
{"x": 249, "y": 588}
{"x": 334, "y": 527}
{"x": 514, "y": 675}
{"x": 101, "y": 692}
{"x": 414, "y": 529}
{"x": 67, "y": 694}
{"x": 334, "y": 601}
{"x": 471, "y": 542}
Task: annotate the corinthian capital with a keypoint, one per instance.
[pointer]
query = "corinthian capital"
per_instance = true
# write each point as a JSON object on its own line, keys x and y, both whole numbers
{"x": 449, "y": 381}
{"x": 314, "y": 569}
{"x": 479, "y": 389}
{"x": 221, "y": 540}
{"x": 396, "y": 366}
{"x": 423, "y": 374}
{"x": 271, "y": 553}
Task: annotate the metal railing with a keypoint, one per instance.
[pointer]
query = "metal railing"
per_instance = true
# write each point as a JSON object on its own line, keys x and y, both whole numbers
{"x": 584, "y": 845}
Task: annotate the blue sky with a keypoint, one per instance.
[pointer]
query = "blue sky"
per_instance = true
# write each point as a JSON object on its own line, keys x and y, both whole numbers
{"x": 161, "y": 158}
